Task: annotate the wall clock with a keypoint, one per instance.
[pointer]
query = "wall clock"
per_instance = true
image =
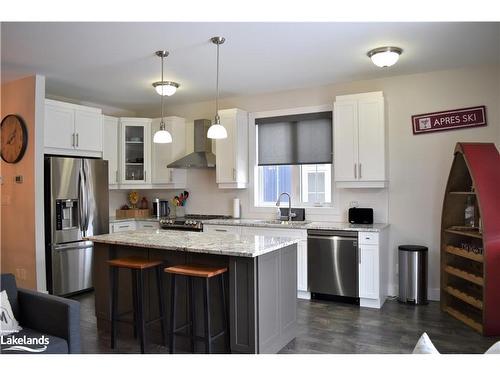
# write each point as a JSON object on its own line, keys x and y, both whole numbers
{"x": 14, "y": 138}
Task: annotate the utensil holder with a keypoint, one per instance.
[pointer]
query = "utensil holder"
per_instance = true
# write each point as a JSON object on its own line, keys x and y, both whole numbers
{"x": 178, "y": 211}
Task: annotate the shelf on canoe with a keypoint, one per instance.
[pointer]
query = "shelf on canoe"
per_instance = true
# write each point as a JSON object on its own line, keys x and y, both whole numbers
{"x": 464, "y": 253}
{"x": 471, "y": 300}
{"x": 469, "y": 233}
{"x": 464, "y": 318}
{"x": 478, "y": 280}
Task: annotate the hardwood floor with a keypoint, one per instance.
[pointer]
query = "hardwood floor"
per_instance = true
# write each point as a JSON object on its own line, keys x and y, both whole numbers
{"x": 334, "y": 328}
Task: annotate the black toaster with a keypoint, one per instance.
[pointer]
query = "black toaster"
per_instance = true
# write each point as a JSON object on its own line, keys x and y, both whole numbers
{"x": 360, "y": 215}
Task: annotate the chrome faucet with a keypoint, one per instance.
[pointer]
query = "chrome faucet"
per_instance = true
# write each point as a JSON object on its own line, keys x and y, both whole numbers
{"x": 290, "y": 214}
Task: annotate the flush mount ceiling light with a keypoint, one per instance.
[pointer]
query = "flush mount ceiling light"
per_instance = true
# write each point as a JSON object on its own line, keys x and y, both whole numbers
{"x": 385, "y": 56}
{"x": 217, "y": 131}
{"x": 162, "y": 87}
{"x": 162, "y": 135}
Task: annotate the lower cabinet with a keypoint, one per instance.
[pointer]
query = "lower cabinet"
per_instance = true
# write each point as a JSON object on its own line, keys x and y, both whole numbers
{"x": 147, "y": 224}
{"x": 373, "y": 264}
{"x": 122, "y": 226}
{"x": 368, "y": 271}
{"x": 302, "y": 287}
{"x": 221, "y": 229}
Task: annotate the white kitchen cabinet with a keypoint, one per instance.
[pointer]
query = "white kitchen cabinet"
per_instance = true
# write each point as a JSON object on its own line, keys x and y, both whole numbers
{"x": 147, "y": 224}
{"x": 135, "y": 152}
{"x": 302, "y": 286}
{"x": 368, "y": 271}
{"x": 359, "y": 141}
{"x": 231, "y": 153}
{"x": 163, "y": 154}
{"x": 122, "y": 226}
{"x": 221, "y": 229}
{"x": 59, "y": 126}
{"x": 71, "y": 129}
{"x": 88, "y": 129}
{"x": 110, "y": 148}
{"x": 373, "y": 268}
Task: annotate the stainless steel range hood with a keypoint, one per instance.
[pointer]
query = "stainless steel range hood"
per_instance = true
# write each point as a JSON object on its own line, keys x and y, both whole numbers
{"x": 202, "y": 157}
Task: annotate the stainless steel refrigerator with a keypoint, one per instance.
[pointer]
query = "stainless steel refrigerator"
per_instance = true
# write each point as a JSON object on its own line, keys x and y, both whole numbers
{"x": 76, "y": 206}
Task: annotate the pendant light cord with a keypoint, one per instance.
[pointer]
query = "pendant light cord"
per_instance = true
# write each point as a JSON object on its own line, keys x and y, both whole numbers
{"x": 162, "y": 123}
{"x": 217, "y": 88}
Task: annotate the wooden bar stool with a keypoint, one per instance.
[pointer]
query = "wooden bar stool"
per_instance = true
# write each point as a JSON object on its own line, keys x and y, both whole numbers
{"x": 137, "y": 266}
{"x": 194, "y": 271}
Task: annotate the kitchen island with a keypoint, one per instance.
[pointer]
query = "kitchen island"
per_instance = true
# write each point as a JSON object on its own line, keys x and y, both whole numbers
{"x": 261, "y": 284}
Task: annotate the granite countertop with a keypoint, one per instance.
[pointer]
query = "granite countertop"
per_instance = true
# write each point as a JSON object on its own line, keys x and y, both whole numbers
{"x": 113, "y": 219}
{"x": 197, "y": 242}
{"x": 328, "y": 225}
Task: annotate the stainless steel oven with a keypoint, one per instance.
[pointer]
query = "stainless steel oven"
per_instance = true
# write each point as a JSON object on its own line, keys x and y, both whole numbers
{"x": 333, "y": 264}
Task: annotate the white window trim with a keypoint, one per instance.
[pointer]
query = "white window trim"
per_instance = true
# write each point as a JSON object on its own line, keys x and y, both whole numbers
{"x": 253, "y": 170}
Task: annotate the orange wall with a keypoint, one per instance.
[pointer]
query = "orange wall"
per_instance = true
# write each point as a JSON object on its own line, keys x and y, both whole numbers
{"x": 17, "y": 252}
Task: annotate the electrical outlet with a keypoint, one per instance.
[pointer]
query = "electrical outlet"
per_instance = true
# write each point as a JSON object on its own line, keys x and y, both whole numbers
{"x": 353, "y": 203}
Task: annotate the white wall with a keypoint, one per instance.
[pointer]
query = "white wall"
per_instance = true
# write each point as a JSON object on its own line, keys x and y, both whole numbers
{"x": 418, "y": 165}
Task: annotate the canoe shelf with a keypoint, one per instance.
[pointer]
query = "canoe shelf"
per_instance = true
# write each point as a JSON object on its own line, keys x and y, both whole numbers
{"x": 469, "y": 293}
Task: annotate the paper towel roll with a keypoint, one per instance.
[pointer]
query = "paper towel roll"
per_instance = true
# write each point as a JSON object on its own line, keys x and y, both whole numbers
{"x": 236, "y": 208}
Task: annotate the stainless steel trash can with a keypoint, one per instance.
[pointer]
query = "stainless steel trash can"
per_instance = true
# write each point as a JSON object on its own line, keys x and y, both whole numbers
{"x": 413, "y": 274}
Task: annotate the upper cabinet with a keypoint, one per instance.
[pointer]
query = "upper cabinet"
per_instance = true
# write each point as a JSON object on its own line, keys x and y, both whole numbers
{"x": 165, "y": 153}
{"x": 135, "y": 151}
{"x": 71, "y": 129}
{"x": 231, "y": 153}
{"x": 359, "y": 141}
{"x": 110, "y": 128}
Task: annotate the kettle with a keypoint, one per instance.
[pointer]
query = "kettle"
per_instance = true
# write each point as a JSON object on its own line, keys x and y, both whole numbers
{"x": 160, "y": 208}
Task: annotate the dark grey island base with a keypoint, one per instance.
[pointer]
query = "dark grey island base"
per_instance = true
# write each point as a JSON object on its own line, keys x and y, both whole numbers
{"x": 261, "y": 292}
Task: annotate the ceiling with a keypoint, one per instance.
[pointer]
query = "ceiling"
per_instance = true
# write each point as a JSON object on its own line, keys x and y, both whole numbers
{"x": 114, "y": 63}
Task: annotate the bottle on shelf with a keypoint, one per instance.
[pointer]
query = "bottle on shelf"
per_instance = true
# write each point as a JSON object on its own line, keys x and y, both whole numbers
{"x": 469, "y": 213}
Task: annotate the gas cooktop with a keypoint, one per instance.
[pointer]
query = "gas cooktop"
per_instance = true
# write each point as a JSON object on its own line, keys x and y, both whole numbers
{"x": 192, "y": 222}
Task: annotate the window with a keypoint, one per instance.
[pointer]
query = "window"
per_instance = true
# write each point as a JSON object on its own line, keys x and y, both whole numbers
{"x": 316, "y": 183}
{"x": 309, "y": 185}
{"x": 294, "y": 155}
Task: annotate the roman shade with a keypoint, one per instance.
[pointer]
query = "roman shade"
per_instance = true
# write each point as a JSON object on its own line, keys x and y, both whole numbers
{"x": 295, "y": 139}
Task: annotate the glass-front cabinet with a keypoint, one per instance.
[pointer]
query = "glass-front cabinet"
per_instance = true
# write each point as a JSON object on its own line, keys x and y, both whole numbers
{"x": 135, "y": 158}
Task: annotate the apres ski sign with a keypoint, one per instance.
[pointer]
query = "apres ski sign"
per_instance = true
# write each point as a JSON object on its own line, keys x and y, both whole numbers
{"x": 449, "y": 120}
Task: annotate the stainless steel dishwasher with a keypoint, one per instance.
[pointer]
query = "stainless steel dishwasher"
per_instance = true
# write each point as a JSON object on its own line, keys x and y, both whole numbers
{"x": 333, "y": 264}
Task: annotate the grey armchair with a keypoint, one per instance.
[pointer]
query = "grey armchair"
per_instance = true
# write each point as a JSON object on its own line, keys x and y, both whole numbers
{"x": 56, "y": 318}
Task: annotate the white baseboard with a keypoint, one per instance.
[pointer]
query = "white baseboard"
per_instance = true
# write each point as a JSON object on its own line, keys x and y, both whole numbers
{"x": 433, "y": 294}
{"x": 303, "y": 294}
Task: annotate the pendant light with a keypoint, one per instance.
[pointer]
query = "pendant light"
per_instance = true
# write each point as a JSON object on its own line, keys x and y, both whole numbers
{"x": 384, "y": 57}
{"x": 217, "y": 131}
{"x": 162, "y": 87}
{"x": 162, "y": 135}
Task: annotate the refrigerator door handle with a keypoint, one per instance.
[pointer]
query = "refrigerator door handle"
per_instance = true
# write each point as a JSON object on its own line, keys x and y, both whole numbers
{"x": 82, "y": 200}
{"x": 86, "y": 187}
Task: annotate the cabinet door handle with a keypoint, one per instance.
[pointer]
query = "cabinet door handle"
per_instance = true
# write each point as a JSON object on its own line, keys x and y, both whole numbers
{"x": 116, "y": 176}
{"x": 123, "y": 226}
{"x": 145, "y": 175}
{"x": 221, "y": 230}
{"x": 355, "y": 172}
{"x": 234, "y": 174}
{"x": 77, "y": 141}
{"x": 73, "y": 140}
{"x": 359, "y": 166}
